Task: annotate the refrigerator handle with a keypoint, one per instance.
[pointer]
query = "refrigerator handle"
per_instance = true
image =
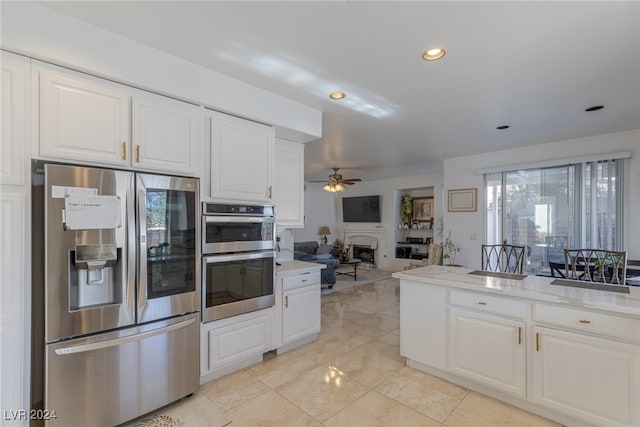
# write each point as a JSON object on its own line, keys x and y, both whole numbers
{"x": 142, "y": 249}
{"x": 83, "y": 348}
{"x": 131, "y": 249}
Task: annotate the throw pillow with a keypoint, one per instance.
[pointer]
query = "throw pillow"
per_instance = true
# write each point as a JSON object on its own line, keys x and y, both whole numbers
{"x": 323, "y": 249}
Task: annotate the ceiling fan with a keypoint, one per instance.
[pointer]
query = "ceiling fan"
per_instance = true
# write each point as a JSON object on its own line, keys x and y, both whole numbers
{"x": 337, "y": 183}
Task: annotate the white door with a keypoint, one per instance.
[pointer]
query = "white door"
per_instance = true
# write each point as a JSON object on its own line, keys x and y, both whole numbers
{"x": 82, "y": 118}
{"x": 300, "y": 313}
{"x": 593, "y": 379}
{"x": 241, "y": 159}
{"x": 288, "y": 184}
{"x": 167, "y": 134}
{"x": 488, "y": 349}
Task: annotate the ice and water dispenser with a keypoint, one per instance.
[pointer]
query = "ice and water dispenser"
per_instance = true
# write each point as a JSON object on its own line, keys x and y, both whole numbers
{"x": 94, "y": 263}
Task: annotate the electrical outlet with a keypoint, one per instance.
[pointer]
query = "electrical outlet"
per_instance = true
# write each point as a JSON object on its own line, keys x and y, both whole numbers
{"x": 473, "y": 236}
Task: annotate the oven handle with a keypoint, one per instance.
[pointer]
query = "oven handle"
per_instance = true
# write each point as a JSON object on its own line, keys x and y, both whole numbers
{"x": 242, "y": 219}
{"x": 238, "y": 257}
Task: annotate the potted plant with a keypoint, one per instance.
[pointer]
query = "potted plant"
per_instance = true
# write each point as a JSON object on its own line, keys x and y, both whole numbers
{"x": 337, "y": 248}
{"x": 406, "y": 209}
{"x": 450, "y": 250}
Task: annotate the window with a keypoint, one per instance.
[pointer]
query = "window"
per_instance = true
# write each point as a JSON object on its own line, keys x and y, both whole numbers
{"x": 550, "y": 209}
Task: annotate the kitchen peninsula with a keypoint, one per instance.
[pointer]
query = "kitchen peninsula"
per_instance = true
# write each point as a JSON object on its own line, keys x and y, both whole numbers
{"x": 566, "y": 353}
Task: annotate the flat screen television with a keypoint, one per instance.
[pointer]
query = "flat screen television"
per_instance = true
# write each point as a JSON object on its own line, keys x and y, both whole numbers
{"x": 361, "y": 209}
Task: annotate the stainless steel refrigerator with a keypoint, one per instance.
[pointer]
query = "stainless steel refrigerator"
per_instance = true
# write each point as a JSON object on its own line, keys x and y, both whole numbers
{"x": 116, "y": 293}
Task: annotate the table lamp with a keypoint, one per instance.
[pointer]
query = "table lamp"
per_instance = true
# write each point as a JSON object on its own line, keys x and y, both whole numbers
{"x": 323, "y": 230}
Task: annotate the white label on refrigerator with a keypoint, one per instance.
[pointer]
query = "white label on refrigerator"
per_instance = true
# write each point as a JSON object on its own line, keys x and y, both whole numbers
{"x": 60, "y": 192}
{"x": 92, "y": 212}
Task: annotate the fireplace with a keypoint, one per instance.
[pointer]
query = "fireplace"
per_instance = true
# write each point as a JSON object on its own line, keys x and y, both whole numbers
{"x": 366, "y": 254}
{"x": 366, "y": 244}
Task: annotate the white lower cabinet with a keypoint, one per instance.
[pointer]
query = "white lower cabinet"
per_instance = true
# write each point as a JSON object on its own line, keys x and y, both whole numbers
{"x": 300, "y": 307}
{"x": 423, "y": 324}
{"x": 230, "y": 344}
{"x": 488, "y": 349}
{"x": 578, "y": 365}
{"x": 591, "y": 378}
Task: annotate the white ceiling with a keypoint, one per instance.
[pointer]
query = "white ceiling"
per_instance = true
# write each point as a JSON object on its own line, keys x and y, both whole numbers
{"x": 534, "y": 66}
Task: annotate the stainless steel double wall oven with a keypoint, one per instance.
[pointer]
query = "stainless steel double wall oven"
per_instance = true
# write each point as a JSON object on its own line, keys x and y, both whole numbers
{"x": 238, "y": 262}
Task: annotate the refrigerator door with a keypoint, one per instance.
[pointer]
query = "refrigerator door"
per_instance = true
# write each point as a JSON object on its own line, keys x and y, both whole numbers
{"x": 89, "y": 264}
{"x": 168, "y": 250}
{"x": 111, "y": 378}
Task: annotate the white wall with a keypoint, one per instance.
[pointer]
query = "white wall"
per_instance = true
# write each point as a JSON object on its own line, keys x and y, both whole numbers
{"x": 39, "y": 32}
{"x": 319, "y": 209}
{"x": 324, "y": 208}
{"x": 461, "y": 173}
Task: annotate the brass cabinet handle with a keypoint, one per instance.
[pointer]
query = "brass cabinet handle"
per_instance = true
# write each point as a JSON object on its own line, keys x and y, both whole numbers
{"x": 124, "y": 151}
{"x": 537, "y": 341}
{"x": 286, "y": 301}
{"x": 269, "y": 191}
{"x": 137, "y": 154}
{"x": 585, "y": 321}
{"x": 482, "y": 303}
{"x": 519, "y": 335}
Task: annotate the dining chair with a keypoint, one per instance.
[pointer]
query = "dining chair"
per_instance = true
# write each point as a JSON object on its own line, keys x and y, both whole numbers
{"x": 503, "y": 258}
{"x": 596, "y": 265}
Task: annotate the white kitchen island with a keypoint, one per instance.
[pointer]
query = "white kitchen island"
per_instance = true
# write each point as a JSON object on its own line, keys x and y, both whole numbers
{"x": 566, "y": 353}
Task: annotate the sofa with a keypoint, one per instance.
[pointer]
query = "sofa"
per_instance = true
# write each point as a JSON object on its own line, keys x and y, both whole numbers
{"x": 322, "y": 254}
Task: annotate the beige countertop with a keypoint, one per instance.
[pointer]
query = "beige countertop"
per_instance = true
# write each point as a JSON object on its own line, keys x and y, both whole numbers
{"x": 534, "y": 288}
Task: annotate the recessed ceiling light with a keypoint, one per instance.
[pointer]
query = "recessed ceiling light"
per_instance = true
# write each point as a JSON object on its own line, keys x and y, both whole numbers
{"x": 595, "y": 108}
{"x": 337, "y": 95}
{"x": 433, "y": 54}
{"x": 503, "y": 127}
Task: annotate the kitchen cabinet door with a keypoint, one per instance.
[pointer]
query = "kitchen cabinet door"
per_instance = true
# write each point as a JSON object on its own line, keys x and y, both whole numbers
{"x": 167, "y": 134}
{"x": 488, "y": 350}
{"x": 288, "y": 184}
{"x": 82, "y": 118}
{"x": 300, "y": 307}
{"x": 423, "y": 323}
{"x": 591, "y": 378}
{"x": 15, "y": 83}
{"x": 15, "y": 229}
{"x": 242, "y": 154}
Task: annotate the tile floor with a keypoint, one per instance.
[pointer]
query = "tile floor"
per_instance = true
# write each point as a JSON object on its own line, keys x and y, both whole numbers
{"x": 353, "y": 375}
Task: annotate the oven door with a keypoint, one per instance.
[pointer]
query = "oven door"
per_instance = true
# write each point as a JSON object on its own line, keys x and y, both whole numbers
{"x": 233, "y": 284}
{"x": 237, "y": 233}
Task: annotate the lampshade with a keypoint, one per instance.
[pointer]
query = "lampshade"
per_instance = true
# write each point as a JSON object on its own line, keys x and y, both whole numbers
{"x": 334, "y": 187}
{"x": 323, "y": 230}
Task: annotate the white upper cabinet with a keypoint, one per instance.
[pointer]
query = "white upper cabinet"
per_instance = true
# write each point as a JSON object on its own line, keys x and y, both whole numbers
{"x": 81, "y": 117}
{"x": 15, "y": 83}
{"x": 167, "y": 134}
{"x": 288, "y": 184}
{"x": 242, "y": 154}
{"x": 89, "y": 120}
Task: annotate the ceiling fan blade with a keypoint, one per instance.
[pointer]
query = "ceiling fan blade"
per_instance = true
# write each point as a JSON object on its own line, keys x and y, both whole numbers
{"x": 348, "y": 183}
{"x": 352, "y": 180}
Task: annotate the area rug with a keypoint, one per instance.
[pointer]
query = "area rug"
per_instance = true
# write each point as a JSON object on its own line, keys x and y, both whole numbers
{"x": 160, "y": 421}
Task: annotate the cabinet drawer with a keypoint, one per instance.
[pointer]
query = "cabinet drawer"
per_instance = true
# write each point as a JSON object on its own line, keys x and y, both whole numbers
{"x": 300, "y": 280}
{"x": 489, "y": 304}
{"x": 587, "y": 321}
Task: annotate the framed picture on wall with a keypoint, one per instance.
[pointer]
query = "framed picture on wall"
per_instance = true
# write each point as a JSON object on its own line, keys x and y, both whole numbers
{"x": 463, "y": 200}
{"x": 423, "y": 209}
